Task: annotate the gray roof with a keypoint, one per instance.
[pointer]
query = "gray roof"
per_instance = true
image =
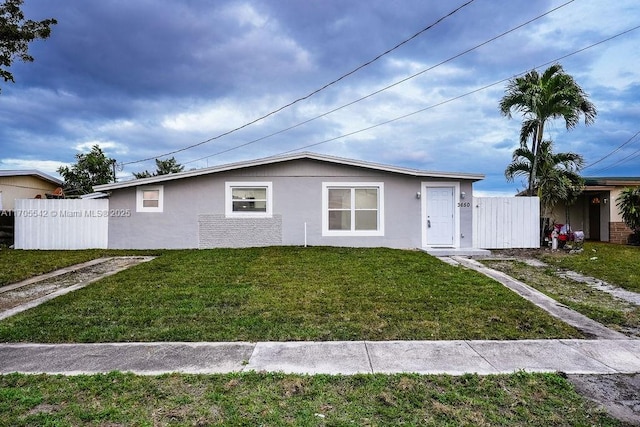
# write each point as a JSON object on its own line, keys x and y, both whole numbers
{"x": 285, "y": 158}
{"x": 31, "y": 172}
{"x": 617, "y": 181}
{"x": 95, "y": 195}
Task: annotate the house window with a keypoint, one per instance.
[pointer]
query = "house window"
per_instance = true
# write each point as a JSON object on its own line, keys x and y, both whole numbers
{"x": 149, "y": 199}
{"x": 250, "y": 199}
{"x": 352, "y": 209}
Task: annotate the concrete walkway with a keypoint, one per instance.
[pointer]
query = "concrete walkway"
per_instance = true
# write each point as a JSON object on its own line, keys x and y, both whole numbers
{"x": 30, "y": 293}
{"x": 351, "y": 357}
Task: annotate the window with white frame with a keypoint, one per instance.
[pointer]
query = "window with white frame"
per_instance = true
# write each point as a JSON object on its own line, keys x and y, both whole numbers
{"x": 149, "y": 198}
{"x": 352, "y": 209}
{"x": 251, "y": 199}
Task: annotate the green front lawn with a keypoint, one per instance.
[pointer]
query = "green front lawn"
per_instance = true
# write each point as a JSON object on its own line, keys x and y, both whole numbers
{"x": 285, "y": 294}
{"x": 616, "y": 264}
{"x": 254, "y": 399}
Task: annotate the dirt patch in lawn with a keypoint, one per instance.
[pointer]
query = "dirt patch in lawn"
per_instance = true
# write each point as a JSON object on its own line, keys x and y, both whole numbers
{"x": 520, "y": 253}
{"x": 617, "y": 394}
{"x": 19, "y": 294}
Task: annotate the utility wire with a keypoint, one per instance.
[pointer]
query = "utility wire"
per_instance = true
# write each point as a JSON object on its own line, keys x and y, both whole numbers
{"x": 621, "y": 161}
{"x": 624, "y": 160}
{"x": 456, "y": 97}
{"x": 386, "y": 87}
{"x": 355, "y": 70}
{"x": 611, "y": 153}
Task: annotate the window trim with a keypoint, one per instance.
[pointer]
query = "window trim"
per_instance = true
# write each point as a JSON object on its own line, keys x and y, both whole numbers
{"x": 139, "y": 200}
{"x": 228, "y": 204}
{"x": 326, "y": 186}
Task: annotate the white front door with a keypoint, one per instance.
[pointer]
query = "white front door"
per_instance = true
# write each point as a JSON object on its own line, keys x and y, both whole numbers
{"x": 440, "y": 216}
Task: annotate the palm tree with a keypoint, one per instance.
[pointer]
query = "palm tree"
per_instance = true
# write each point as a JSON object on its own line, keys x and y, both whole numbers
{"x": 541, "y": 98}
{"x": 557, "y": 177}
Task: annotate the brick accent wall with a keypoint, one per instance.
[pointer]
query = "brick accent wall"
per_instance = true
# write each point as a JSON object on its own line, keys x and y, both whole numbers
{"x": 217, "y": 231}
{"x": 619, "y": 233}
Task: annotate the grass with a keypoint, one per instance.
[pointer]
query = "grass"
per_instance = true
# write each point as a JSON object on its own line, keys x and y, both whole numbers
{"x": 17, "y": 265}
{"x": 617, "y": 264}
{"x": 597, "y": 305}
{"x": 250, "y": 399}
{"x": 287, "y": 294}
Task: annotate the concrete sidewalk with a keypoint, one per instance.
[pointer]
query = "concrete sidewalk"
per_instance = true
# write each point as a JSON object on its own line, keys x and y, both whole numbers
{"x": 351, "y": 357}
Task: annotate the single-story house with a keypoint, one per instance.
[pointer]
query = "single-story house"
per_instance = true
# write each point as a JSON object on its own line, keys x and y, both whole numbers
{"x": 296, "y": 199}
{"x": 24, "y": 184}
{"x": 595, "y": 211}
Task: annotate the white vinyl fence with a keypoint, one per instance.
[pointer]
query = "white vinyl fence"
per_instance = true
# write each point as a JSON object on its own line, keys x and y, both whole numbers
{"x": 506, "y": 222}
{"x": 61, "y": 223}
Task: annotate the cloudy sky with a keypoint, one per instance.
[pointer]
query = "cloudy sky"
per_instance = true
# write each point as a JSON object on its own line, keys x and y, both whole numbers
{"x": 146, "y": 79}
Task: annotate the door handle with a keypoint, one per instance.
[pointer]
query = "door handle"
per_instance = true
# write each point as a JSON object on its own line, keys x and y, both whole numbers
{"x": 428, "y": 223}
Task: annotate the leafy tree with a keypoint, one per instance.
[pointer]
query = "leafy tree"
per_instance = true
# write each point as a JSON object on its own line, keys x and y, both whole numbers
{"x": 629, "y": 204}
{"x": 163, "y": 167}
{"x": 90, "y": 169}
{"x": 143, "y": 174}
{"x": 168, "y": 166}
{"x": 16, "y": 34}
{"x": 540, "y": 98}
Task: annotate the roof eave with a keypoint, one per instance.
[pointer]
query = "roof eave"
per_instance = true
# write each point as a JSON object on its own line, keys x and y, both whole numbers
{"x": 611, "y": 181}
{"x": 31, "y": 172}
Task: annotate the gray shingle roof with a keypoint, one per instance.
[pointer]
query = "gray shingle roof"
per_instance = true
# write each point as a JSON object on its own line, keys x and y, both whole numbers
{"x": 289, "y": 157}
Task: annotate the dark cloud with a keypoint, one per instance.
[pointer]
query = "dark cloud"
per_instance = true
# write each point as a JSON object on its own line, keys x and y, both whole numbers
{"x": 144, "y": 77}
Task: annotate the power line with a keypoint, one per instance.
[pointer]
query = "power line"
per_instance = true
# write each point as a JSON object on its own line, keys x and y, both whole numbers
{"x": 612, "y": 152}
{"x": 386, "y": 87}
{"x": 621, "y": 161}
{"x": 355, "y": 70}
{"x": 454, "y": 98}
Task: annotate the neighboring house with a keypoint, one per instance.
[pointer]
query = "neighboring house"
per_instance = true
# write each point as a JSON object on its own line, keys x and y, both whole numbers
{"x": 24, "y": 184}
{"x": 595, "y": 212}
{"x": 297, "y": 199}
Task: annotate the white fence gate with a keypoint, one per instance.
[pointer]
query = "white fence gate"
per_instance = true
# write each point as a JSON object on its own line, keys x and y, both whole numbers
{"x": 506, "y": 222}
{"x": 61, "y": 223}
